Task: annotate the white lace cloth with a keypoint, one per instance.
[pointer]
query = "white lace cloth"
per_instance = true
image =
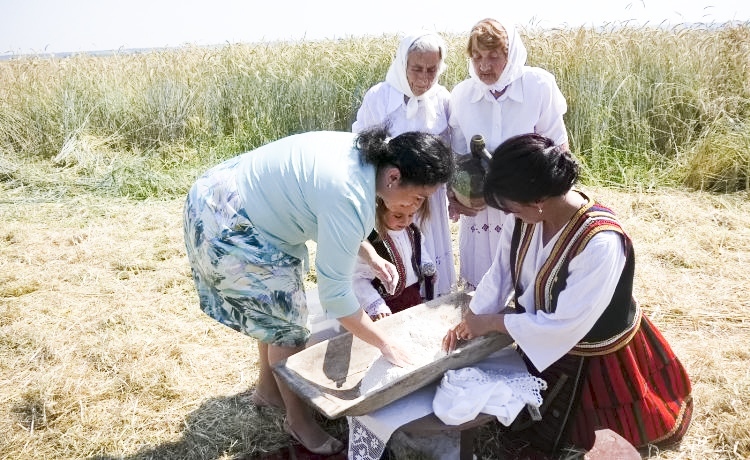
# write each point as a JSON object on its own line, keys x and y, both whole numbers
{"x": 500, "y": 385}
{"x": 464, "y": 393}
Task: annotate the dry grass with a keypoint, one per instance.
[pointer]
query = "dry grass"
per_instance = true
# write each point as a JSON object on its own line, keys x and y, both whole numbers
{"x": 105, "y": 354}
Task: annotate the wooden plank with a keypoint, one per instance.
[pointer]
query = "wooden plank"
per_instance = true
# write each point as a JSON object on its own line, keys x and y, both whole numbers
{"x": 328, "y": 374}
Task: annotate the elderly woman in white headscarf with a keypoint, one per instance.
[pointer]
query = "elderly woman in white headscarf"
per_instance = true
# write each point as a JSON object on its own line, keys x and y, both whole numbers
{"x": 502, "y": 98}
{"x": 410, "y": 99}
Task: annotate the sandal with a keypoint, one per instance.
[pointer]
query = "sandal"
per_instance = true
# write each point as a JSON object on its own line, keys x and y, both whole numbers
{"x": 329, "y": 447}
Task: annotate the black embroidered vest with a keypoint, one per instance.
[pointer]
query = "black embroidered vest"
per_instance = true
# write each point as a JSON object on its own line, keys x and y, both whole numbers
{"x": 620, "y": 315}
{"x": 384, "y": 248}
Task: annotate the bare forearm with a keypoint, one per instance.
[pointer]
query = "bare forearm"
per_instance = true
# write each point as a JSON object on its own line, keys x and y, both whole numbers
{"x": 365, "y": 329}
{"x": 484, "y": 324}
{"x": 361, "y": 326}
{"x": 367, "y": 252}
{"x": 498, "y": 323}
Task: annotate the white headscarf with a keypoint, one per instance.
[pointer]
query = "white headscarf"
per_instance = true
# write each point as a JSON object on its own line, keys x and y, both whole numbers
{"x": 396, "y": 76}
{"x": 513, "y": 68}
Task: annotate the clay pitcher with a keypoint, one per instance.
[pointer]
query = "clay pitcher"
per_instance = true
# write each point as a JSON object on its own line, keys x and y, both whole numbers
{"x": 468, "y": 180}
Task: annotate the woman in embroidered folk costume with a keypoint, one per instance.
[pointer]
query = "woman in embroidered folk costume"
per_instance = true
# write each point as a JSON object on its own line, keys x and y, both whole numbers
{"x": 503, "y": 97}
{"x": 246, "y": 222}
{"x": 567, "y": 266}
{"x": 399, "y": 241}
{"x": 411, "y": 99}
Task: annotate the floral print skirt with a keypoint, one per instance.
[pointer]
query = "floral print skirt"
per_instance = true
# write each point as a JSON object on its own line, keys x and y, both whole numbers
{"x": 243, "y": 280}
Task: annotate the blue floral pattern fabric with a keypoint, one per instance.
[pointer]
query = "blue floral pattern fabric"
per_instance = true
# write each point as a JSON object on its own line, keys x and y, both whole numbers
{"x": 243, "y": 280}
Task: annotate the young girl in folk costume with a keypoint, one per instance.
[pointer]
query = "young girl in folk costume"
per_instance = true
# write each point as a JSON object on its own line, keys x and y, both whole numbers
{"x": 398, "y": 240}
{"x": 568, "y": 266}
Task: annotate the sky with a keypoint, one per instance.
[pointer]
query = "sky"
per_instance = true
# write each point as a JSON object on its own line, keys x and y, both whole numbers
{"x": 55, "y": 26}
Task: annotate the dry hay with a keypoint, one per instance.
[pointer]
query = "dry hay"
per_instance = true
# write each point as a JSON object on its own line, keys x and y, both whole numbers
{"x": 105, "y": 354}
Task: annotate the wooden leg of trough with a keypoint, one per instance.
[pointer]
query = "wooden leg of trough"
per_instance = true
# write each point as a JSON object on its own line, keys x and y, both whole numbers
{"x": 467, "y": 443}
{"x": 467, "y": 431}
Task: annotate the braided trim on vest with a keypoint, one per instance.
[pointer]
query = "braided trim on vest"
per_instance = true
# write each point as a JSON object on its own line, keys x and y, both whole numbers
{"x": 384, "y": 246}
{"x": 612, "y": 344}
{"x": 526, "y": 232}
{"x": 547, "y": 276}
{"x": 589, "y": 220}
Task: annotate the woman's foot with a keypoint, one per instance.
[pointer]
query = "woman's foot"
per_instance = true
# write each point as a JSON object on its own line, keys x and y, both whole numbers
{"x": 330, "y": 446}
{"x": 261, "y": 401}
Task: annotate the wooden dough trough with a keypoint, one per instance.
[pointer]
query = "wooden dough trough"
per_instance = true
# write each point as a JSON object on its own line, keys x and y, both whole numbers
{"x": 328, "y": 374}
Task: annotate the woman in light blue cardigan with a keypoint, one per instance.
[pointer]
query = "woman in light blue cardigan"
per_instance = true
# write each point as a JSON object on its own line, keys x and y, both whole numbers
{"x": 246, "y": 224}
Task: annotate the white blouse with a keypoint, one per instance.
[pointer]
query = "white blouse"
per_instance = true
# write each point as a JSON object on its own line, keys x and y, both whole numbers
{"x": 531, "y": 104}
{"x": 384, "y": 103}
{"x": 592, "y": 278}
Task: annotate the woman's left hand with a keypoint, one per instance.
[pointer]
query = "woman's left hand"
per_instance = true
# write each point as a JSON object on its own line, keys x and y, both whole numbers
{"x": 471, "y": 326}
{"x": 387, "y": 273}
{"x": 451, "y": 339}
{"x": 461, "y": 332}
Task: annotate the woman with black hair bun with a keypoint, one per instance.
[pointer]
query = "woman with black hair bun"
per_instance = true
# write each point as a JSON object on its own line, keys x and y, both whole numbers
{"x": 246, "y": 222}
{"x": 561, "y": 285}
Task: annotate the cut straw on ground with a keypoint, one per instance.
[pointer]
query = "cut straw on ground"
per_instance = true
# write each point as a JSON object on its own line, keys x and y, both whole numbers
{"x": 104, "y": 352}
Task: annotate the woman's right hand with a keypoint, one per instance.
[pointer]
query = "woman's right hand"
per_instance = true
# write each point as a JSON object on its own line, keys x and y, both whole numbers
{"x": 361, "y": 326}
{"x": 473, "y": 325}
{"x": 395, "y": 354}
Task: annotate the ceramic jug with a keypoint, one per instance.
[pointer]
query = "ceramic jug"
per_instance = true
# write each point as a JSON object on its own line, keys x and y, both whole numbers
{"x": 468, "y": 180}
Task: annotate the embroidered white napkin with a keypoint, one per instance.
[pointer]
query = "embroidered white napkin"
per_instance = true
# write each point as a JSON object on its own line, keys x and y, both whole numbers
{"x": 368, "y": 434}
